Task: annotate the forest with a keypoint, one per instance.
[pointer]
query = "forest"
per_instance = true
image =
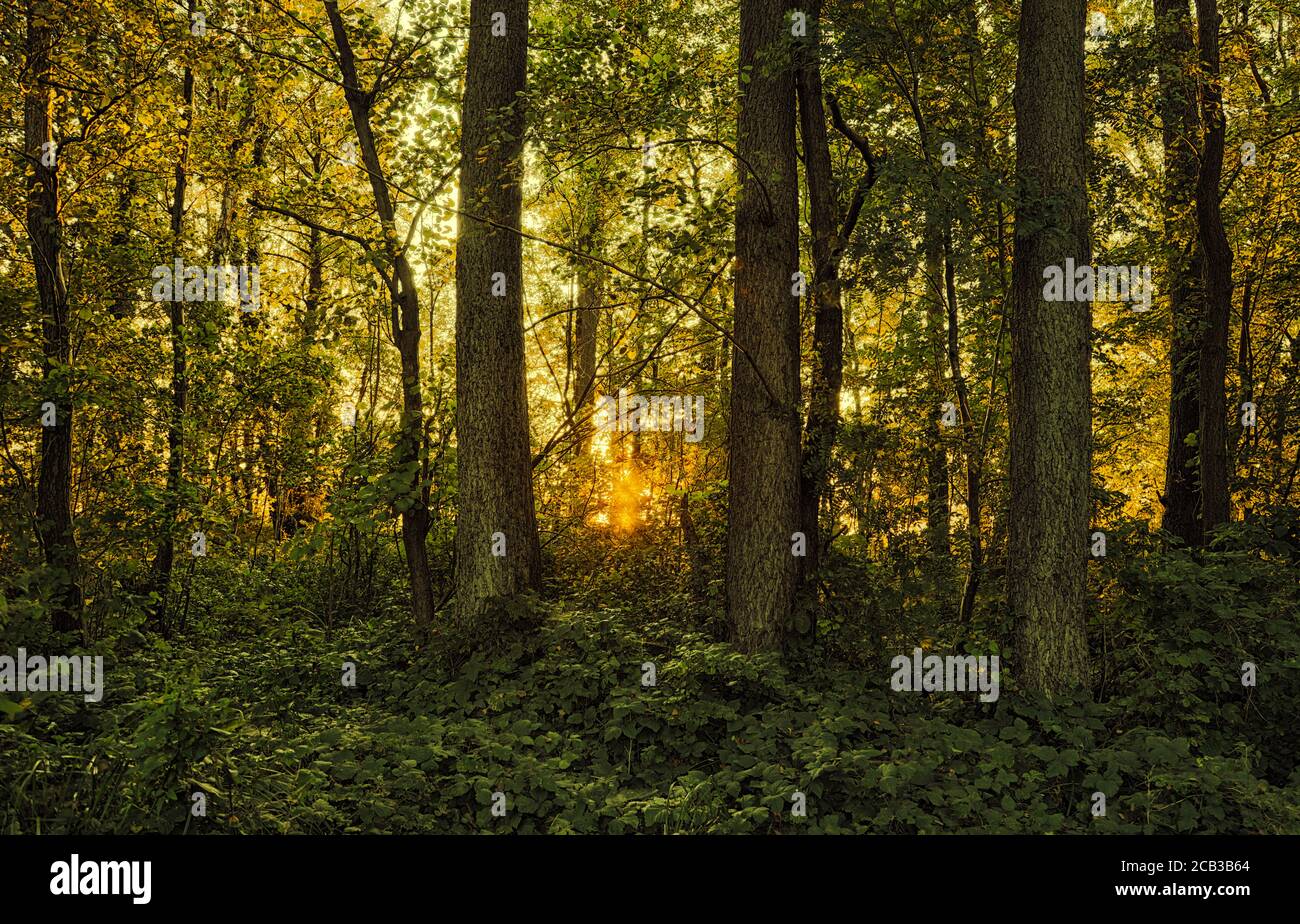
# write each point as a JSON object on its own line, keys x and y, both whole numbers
{"x": 649, "y": 416}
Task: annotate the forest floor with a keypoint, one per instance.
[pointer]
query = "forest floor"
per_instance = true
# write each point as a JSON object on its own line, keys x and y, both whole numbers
{"x": 616, "y": 707}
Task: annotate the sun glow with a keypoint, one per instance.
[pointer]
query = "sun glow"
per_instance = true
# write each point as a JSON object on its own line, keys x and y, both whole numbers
{"x": 625, "y": 497}
{"x": 629, "y": 490}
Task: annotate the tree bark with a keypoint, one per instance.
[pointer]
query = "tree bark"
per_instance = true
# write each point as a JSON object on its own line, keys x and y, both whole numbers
{"x": 119, "y": 245}
{"x": 1180, "y": 129}
{"x": 492, "y": 457}
{"x": 763, "y": 459}
{"x": 1051, "y": 384}
{"x": 1213, "y": 358}
{"x": 45, "y": 232}
{"x": 827, "y": 374}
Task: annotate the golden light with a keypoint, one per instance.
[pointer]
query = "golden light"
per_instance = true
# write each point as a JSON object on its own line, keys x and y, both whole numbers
{"x": 625, "y": 498}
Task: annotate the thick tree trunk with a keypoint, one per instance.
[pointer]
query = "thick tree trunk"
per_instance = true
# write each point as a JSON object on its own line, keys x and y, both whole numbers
{"x": 1213, "y": 358}
{"x": 1180, "y": 128}
{"x": 45, "y": 232}
{"x": 495, "y": 510}
{"x": 827, "y": 374}
{"x": 1050, "y": 377}
{"x": 763, "y": 460}
{"x": 405, "y": 325}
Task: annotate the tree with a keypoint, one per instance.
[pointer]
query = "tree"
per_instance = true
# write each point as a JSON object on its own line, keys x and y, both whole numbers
{"x": 45, "y": 234}
{"x": 1217, "y": 269}
{"x": 1050, "y": 377}
{"x": 938, "y": 502}
{"x": 165, "y": 559}
{"x": 763, "y": 455}
{"x": 1180, "y": 126}
{"x": 399, "y": 278}
{"x": 497, "y": 550}
{"x": 829, "y": 234}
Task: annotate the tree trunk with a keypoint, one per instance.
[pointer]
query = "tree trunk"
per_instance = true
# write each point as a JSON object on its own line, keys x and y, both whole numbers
{"x": 120, "y": 249}
{"x": 1213, "y": 358}
{"x": 492, "y": 457}
{"x": 591, "y": 290}
{"x": 1239, "y": 455}
{"x": 45, "y": 231}
{"x": 313, "y": 315}
{"x": 1051, "y": 385}
{"x": 165, "y": 559}
{"x": 763, "y": 459}
{"x": 405, "y": 324}
{"x": 827, "y": 374}
{"x": 1180, "y": 128}
{"x": 938, "y": 506}
{"x": 974, "y": 457}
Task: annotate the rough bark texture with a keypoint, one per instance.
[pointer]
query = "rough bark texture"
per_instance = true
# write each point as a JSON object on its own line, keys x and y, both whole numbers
{"x": 1180, "y": 129}
{"x": 764, "y": 457}
{"x": 827, "y": 373}
{"x": 45, "y": 232}
{"x": 1050, "y": 382}
{"x": 405, "y": 324}
{"x": 1213, "y": 360}
{"x": 493, "y": 462}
